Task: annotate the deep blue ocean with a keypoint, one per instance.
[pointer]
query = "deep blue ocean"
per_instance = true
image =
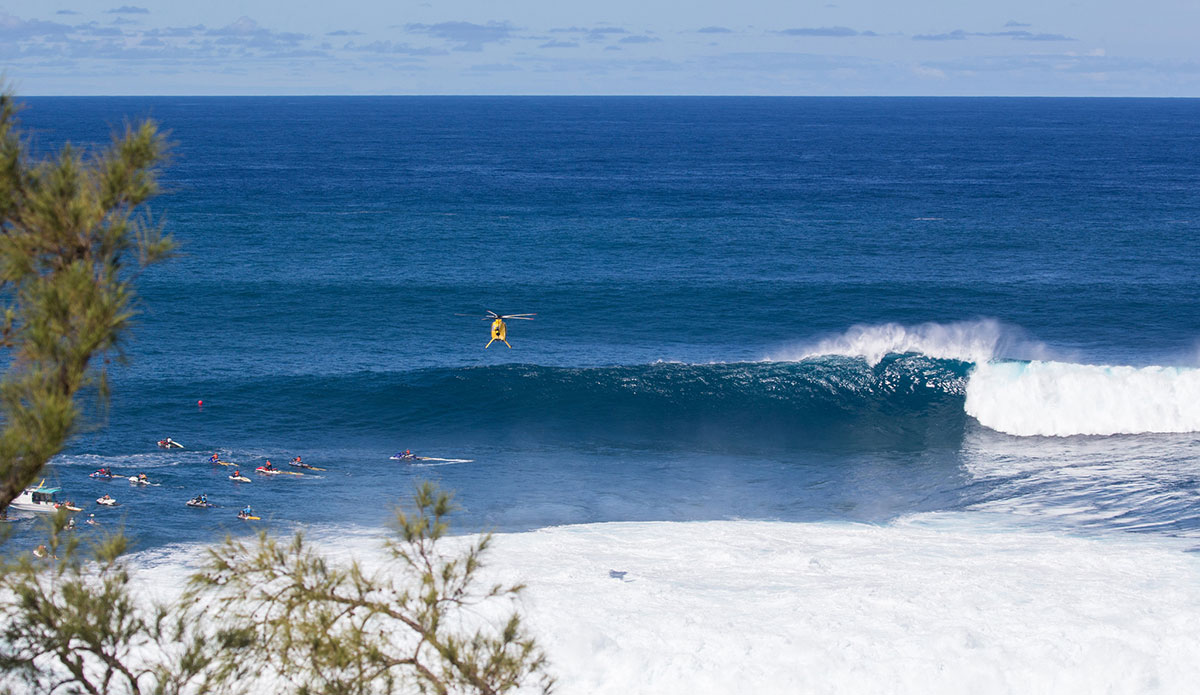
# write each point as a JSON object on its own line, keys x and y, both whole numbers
{"x": 763, "y": 308}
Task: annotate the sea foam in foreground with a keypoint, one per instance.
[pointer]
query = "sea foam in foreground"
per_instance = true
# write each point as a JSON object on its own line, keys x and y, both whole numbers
{"x": 938, "y": 603}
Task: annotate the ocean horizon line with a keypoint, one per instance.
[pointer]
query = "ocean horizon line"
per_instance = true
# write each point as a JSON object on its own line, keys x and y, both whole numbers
{"x": 848, "y": 97}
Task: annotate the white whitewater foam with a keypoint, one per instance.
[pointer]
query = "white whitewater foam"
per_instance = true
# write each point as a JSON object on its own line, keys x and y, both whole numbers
{"x": 769, "y": 607}
{"x": 968, "y": 341}
{"x": 156, "y": 459}
{"x": 943, "y": 603}
{"x": 1062, "y": 399}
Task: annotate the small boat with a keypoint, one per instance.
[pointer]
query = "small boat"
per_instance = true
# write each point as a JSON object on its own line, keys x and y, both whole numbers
{"x": 139, "y": 480}
{"x": 248, "y": 517}
{"x": 37, "y": 499}
{"x": 106, "y": 475}
{"x": 69, "y": 506}
{"x": 239, "y": 478}
{"x": 305, "y": 466}
{"x": 268, "y": 471}
{"x": 106, "y": 501}
{"x": 203, "y": 504}
{"x": 403, "y": 456}
{"x": 169, "y": 443}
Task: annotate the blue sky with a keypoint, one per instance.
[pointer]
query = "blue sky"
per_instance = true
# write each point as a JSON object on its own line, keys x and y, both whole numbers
{"x": 750, "y": 47}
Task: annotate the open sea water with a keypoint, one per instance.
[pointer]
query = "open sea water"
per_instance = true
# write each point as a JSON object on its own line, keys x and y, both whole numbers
{"x": 793, "y": 309}
{"x": 921, "y": 377}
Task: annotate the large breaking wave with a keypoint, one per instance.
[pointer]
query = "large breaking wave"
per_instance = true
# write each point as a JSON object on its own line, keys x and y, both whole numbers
{"x": 1011, "y": 387}
{"x": 900, "y": 400}
{"x": 885, "y": 385}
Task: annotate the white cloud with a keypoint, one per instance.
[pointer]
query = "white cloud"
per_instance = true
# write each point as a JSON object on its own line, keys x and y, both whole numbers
{"x": 467, "y": 36}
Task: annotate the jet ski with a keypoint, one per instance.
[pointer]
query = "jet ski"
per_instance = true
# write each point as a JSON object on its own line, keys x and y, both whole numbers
{"x": 305, "y": 466}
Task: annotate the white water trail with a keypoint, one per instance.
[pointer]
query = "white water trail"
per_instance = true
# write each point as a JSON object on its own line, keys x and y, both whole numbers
{"x": 1062, "y": 399}
{"x": 967, "y": 341}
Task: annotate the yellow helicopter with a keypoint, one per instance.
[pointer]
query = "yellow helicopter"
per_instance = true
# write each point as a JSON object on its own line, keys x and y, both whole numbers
{"x": 499, "y": 328}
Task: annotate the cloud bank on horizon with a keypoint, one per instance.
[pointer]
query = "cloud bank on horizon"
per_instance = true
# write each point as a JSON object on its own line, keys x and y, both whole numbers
{"x": 849, "y": 47}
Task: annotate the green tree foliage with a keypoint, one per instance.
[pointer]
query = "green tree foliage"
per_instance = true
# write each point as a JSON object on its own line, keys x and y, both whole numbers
{"x": 418, "y": 624}
{"x": 72, "y": 622}
{"x": 73, "y": 229}
{"x": 270, "y": 617}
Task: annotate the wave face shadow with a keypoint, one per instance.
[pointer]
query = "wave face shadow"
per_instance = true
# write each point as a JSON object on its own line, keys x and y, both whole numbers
{"x": 904, "y": 402}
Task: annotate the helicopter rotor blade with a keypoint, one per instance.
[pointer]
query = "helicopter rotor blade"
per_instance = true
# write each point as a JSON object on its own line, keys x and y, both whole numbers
{"x": 523, "y": 317}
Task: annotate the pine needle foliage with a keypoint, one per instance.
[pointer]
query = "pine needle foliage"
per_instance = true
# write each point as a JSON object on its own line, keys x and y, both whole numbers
{"x": 420, "y": 624}
{"x": 73, "y": 233}
{"x": 271, "y": 617}
{"x": 73, "y": 622}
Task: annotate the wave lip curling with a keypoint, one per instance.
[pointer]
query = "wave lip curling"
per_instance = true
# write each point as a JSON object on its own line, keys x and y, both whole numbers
{"x": 1059, "y": 399}
{"x": 966, "y": 341}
